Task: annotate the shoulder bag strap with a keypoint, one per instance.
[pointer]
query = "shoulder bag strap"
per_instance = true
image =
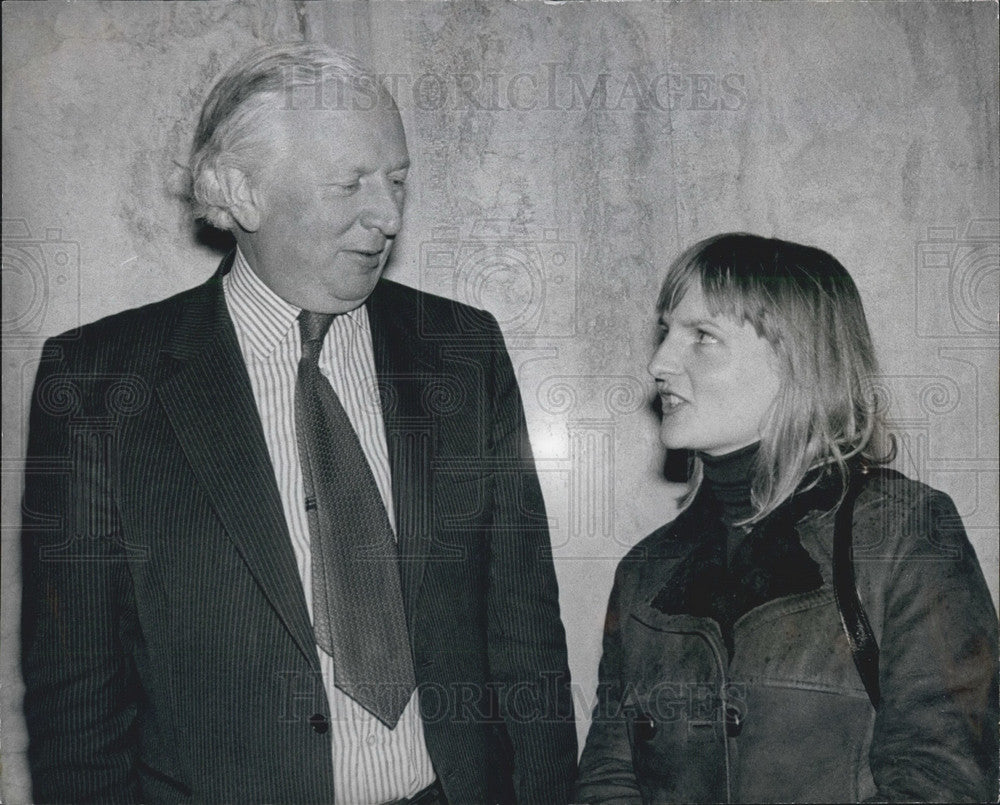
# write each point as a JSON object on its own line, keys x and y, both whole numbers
{"x": 864, "y": 646}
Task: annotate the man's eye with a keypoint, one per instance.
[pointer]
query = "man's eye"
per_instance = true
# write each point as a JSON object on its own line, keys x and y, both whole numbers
{"x": 399, "y": 181}
{"x": 341, "y": 188}
{"x": 705, "y": 337}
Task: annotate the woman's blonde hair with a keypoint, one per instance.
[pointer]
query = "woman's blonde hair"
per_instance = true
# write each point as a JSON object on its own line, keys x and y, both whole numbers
{"x": 805, "y": 304}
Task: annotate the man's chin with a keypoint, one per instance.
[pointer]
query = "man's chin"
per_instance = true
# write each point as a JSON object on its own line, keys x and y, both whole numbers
{"x": 347, "y": 297}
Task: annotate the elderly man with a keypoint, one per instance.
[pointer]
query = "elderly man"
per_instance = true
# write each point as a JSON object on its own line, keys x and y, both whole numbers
{"x": 283, "y": 537}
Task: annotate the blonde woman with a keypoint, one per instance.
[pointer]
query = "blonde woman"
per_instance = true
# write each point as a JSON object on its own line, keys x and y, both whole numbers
{"x": 812, "y": 626}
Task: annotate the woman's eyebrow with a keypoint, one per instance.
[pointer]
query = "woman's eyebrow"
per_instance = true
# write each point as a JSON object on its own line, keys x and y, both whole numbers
{"x": 694, "y": 323}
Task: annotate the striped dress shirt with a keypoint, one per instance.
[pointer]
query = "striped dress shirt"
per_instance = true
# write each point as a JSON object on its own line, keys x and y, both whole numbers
{"x": 371, "y": 763}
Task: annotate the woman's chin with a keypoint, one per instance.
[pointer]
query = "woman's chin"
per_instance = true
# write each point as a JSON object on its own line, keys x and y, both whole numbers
{"x": 673, "y": 441}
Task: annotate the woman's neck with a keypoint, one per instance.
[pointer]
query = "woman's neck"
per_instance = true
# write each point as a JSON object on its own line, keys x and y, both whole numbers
{"x": 728, "y": 477}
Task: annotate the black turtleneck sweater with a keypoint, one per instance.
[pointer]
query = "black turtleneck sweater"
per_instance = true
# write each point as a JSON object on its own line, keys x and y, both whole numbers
{"x": 728, "y": 479}
{"x": 734, "y": 569}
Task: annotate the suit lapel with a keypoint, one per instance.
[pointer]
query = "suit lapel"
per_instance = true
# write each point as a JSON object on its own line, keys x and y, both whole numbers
{"x": 404, "y": 368}
{"x": 208, "y": 399}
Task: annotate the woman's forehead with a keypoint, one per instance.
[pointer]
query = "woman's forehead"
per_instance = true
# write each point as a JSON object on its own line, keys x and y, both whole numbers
{"x": 693, "y": 305}
{"x": 715, "y": 300}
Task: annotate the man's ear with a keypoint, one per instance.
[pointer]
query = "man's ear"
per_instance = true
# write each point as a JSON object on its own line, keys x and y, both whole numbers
{"x": 244, "y": 200}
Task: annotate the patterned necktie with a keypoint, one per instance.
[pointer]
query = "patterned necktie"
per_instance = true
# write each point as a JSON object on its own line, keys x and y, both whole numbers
{"x": 357, "y": 598}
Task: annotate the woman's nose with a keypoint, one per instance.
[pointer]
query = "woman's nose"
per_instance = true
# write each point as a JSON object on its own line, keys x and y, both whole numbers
{"x": 664, "y": 361}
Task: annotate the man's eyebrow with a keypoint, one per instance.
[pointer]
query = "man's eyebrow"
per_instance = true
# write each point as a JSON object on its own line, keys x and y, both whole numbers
{"x": 367, "y": 168}
{"x": 356, "y": 171}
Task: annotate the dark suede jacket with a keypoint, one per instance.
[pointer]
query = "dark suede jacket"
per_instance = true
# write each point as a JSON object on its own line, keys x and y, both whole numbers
{"x": 787, "y": 717}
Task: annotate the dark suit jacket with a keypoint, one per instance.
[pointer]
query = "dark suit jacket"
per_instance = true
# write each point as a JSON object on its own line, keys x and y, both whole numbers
{"x": 167, "y": 649}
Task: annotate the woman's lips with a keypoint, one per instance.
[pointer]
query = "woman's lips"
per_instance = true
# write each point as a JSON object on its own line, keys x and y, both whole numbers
{"x": 671, "y": 401}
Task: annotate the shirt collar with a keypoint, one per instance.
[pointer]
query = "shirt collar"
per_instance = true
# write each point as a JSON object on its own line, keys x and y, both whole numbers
{"x": 261, "y": 316}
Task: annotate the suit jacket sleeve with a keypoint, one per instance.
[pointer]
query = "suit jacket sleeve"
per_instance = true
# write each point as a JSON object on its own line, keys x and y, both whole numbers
{"x": 81, "y": 696}
{"x": 527, "y": 644}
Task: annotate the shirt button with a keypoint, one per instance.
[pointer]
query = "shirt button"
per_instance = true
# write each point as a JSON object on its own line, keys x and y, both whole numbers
{"x": 734, "y": 721}
{"x": 370, "y": 740}
{"x": 645, "y": 727}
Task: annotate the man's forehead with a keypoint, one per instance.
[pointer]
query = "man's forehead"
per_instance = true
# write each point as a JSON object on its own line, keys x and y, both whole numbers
{"x": 351, "y": 138}
{"x": 302, "y": 108}
{"x": 337, "y": 93}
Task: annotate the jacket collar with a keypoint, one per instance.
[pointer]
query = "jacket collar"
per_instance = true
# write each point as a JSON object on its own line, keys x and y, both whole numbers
{"x": 205, "y": 391}
{"x": 406, "y": 365}
{"x": 771, "y": 563}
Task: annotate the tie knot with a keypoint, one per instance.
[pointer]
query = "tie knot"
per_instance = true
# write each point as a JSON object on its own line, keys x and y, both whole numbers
{"x": 313, "y": 327}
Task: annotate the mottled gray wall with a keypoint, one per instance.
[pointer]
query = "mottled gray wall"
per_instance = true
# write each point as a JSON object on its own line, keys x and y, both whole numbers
{"x": 563, "y": 153}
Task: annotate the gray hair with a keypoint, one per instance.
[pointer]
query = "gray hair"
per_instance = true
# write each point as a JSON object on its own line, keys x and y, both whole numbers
{"x": 233, "y": 131}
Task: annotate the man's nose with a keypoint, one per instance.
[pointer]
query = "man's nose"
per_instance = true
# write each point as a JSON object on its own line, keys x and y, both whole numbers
{"x": 665, "y": 359}
{"x": 384, "y": 207}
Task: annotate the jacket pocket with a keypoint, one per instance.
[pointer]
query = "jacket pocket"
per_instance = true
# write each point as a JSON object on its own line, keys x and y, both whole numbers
{"x": 675, "y": 681}
{"x": 155, "y": 786}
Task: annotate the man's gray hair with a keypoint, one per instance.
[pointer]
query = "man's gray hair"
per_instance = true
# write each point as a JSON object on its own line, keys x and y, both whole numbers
{"x": 232, "y": 131}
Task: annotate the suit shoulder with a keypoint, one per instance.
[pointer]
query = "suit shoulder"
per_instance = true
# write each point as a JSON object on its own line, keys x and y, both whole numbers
{"x": 437, "y": 311}
{"x": 126, "y": 332}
